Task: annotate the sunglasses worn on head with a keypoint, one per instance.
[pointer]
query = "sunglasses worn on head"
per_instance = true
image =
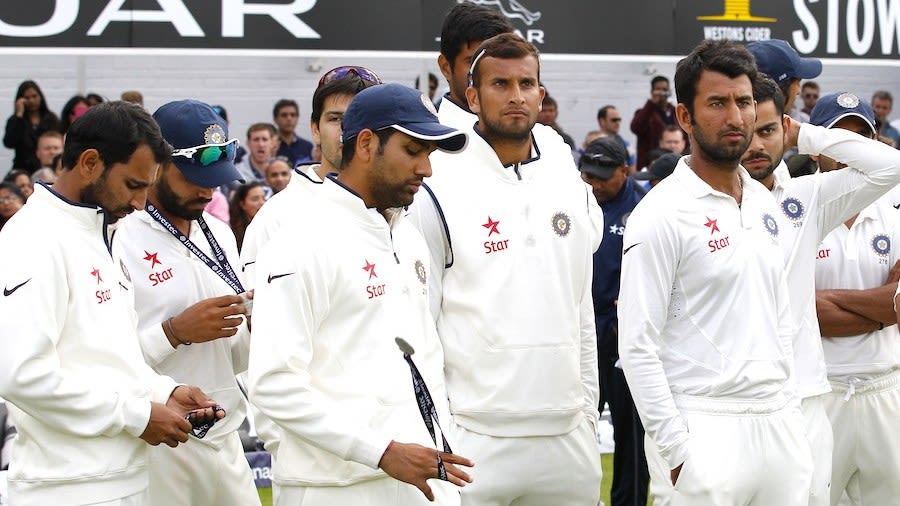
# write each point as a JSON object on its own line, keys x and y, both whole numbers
{"x": 340, "y": 72}
{"x": 208, "y": 154}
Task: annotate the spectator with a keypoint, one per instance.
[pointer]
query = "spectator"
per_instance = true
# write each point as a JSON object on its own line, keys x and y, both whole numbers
{"x": 660, "y": 169}
{"x": 245, "y": 203}
{"x": 22, "y": 180}
{"x": 32, "y": 117}
{"x": 94, "y": 99}
{"x": 610, "y": 121}
{"x": 809, "y": 92}
{"x": 673, "y": 140}
{"x": 11, "y": 200}
{"x": 432, "y": 86}
{"x": 75, "y": 108}
{"x": 260, "y": 143}
{"x": 133, "y": 96}
{"x": 882, "y": 104}
{"x": 278, "y": 174}
{"x": 49, "y": 145}
{"x": 286, "y": 114}
{"x": 547, "y": 116}
{"x": 45, "y": 175}
{"x": 650, "y": 121}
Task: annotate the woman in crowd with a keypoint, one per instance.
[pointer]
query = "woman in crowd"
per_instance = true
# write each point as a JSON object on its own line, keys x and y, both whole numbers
{"x": 22, "y": 180}
{"x": 11, "y": 200}
{"x": 74, "y": 108}
{"x": 32, "y": 117}
{"x": 247, "y": 200}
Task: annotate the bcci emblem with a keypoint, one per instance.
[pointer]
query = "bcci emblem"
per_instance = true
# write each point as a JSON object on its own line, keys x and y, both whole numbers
{"x": 792, "y": 208}
{"x": 561, "y": 224}
{"x": 125, "y": 270}
{"x": 420, "y": 271}
{"x": 214, "y": 134}
{"x": 848, "y": 100}
{"x": 881, "y": 244}
{"x": 770, "y": 224}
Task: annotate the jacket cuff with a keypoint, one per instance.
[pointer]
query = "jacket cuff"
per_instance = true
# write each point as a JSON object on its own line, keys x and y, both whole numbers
{"x": 369, "y": 448}
{"x": 136, "y": 415}
{"x": 155, "y": 345}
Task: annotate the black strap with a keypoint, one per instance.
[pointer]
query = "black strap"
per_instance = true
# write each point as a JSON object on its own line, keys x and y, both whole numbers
{"x": 222, "y": 268}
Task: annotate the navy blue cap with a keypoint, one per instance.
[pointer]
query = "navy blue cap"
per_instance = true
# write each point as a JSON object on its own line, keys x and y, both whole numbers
{"x": 603, "y": 157}
{"x": 778, "y": 60}
{"x": 661, "y": 168}
{"x": 402, "y": 108}
{"x": 834, "y": 107}
{"x": 191, "y": 123}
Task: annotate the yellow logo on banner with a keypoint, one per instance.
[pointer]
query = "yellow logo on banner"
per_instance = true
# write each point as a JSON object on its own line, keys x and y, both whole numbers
{"x": 737, "y": 10}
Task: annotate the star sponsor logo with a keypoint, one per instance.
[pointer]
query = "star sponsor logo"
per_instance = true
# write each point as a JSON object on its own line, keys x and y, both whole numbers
{"x": 616, "y": 229}
{"x": 881, "y": 245}
{"x": 562, "y": 224}
{"x": 492, "y": 225}
{"x": 373, "y": 291}
{"x": 153, "y": 258}
{"x": 712, "y": 225}
{"x": 101, "y": 295}
{"x": 370, "y": 268}
{"x": 96, "y": 273}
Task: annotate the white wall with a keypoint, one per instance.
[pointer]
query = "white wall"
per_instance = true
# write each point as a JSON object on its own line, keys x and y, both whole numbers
{"x": 248, "y": 84}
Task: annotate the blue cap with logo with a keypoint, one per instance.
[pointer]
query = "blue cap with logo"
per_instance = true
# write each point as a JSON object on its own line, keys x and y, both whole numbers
{"x": 834, "y": 107}
{"x": 402, "y": 108}
{"x": 201, "y": 148}
{"x": 778, "y": 60}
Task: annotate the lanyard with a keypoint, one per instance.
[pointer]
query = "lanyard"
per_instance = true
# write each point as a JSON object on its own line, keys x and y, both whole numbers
{"x": 222, "y": 269}
{"x": 424, "y": 401}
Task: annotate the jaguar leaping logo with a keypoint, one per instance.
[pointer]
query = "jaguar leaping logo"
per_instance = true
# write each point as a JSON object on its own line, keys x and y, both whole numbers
{"x": 511, "y": 9}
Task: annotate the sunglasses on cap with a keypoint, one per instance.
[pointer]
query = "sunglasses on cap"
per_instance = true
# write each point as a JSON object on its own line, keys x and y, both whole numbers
{"x": 341, "y": 72}
{"x": 209, "y": 154}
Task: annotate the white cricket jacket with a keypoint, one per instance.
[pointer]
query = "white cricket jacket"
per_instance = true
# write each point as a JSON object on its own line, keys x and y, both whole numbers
{"x": 811, "y": 206}
{"x": 512, "y": 251}
{"x": 703, "y": 307}
{"x": 71, "y": 367}
{"x": 165, "y": 279}
{"x": 332, "y": 294}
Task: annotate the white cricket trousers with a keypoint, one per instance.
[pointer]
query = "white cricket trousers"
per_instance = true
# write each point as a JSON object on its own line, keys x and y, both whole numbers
{"x": 740, "y": 453}
{"x": 865, "y": 417}
{"x": 196, "y": 473}
{"x": 821, "y": 444}
{"x": 561, "y": 470}
{"x": 378, "y": 492}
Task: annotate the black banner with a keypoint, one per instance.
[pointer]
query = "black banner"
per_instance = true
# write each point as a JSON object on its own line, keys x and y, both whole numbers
{"x": 823, "y": 28}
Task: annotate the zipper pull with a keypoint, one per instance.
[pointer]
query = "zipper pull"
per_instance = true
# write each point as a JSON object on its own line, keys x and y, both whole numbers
{"x": 396, "y": 258}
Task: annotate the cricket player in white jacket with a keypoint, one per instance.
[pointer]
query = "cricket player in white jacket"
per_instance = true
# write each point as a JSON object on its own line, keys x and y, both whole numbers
{"x": 336, "y": 89}
{"x": 510, "y": 231}
{"x": 705, "y": 333}
{"x": 331, "y": 297}
{"x": 71, "y": 370}
{"x": 187, "y": 295}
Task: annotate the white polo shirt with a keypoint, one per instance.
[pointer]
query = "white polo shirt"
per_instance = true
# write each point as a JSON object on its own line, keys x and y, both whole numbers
{"x": 811, "y": 206}
{"x": 703, "y": 307}
{"x": 860, "y": 258}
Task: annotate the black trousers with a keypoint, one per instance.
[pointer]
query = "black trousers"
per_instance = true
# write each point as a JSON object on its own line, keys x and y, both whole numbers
{"x": 630, "y": 475}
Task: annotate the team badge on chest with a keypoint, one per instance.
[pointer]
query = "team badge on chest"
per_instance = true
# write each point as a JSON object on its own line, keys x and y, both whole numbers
{"x": 881, "y": 244}
{"x": 792, "y": 208}
{"x": 562, "y": 224}
{"x": 770, "y": 224}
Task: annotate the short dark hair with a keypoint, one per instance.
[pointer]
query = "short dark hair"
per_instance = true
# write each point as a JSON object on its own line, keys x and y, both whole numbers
{"x": 432, "y": 79}
{"x": 466, "y": 23}
{"x": 810, "y": 84}
{"x": 765, "y": 88}
{"x": 13, "y": 174}
{"x": 548, "y": 100}
{"x": 350, "y": 84}
{"x": 115, "y": 129}
{"x": 658, "y": 79}
{"x": 674, "y": 128}
{"x": 348, "y": 149}
{"x": 284, "y": 102}
{"x": 883, "y": 95}
{"x": 15, "y": 190}
{"x": 601, "y": 114}
{"x": 504, "y": 46}
{"x": 723, "y": 56}
{"x": 262, "y": 126}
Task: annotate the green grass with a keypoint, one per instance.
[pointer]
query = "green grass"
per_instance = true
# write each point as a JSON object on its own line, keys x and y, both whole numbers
{"x": 265, "y": 494}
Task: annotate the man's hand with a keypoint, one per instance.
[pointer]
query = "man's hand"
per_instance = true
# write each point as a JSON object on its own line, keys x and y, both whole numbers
{"x": 165, "y": 426}
{"x": 190, "y": 398}
{"x": 791, "y": 132}
{"x": 209, "y": 319}
{"x": 415, "y": 464}
{"x": 675, "y": 473}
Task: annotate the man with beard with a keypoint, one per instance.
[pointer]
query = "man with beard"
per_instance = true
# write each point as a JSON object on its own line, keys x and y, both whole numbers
{"x": 332, "y": 296}
{"x": 811, "y": 207}
{"x": 704, "y": 328}
{"x": 186, "y": 295}
{"x": 71, "y": 370}
{"x": 511, "y": 291}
